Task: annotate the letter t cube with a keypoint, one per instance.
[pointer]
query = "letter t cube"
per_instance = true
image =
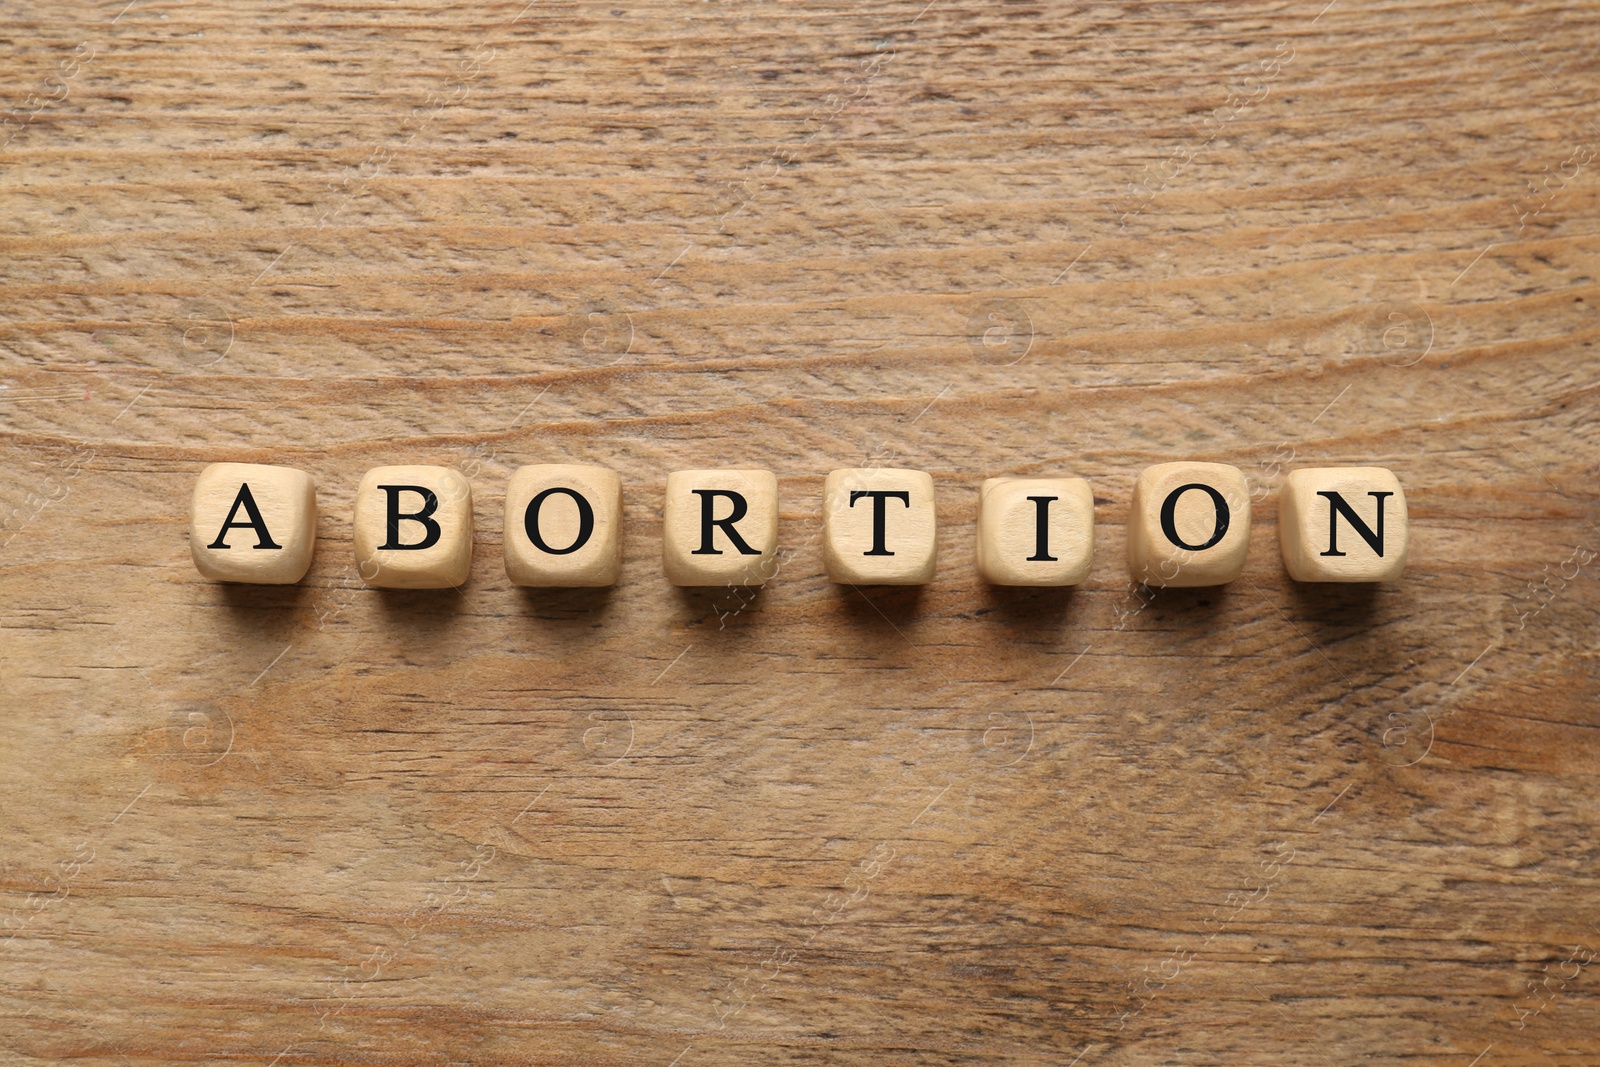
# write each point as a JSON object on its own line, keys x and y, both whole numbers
{"x": 879, "y": 526}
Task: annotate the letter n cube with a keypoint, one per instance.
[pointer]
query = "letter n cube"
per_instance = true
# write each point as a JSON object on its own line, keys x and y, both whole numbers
{"x": 1343, "y": 524}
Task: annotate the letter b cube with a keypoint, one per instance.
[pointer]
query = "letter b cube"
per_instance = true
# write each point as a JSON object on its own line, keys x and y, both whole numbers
{"x": 413, "y": 527}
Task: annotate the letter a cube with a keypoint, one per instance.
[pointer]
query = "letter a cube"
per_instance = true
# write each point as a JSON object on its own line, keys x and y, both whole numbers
{"x": 250, "y": 522}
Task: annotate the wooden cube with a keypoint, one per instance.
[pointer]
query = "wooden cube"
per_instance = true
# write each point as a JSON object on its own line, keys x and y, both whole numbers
{"x": 1343, "y": 524}
{"x": 720, "y": 527}
{"x": 249, "y": 522}
{"x": 413, "y": 527}
{"x": 564, "y": 526}
{"x": 879, "y": 526}
{"x": 1035, "y": 531}
{"x": 1188, "y": 525}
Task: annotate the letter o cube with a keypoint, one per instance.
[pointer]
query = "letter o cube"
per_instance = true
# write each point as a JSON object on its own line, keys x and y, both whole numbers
{"x": 413, "y": 527}
{"x": 720, "y": 527}
{"x": 250, "y": 522}
{"x": 1343, "y": 524}
{"x": 563, "y": 526}
{"x": 879, "y": 526}
{"x": 1188, "y": 525}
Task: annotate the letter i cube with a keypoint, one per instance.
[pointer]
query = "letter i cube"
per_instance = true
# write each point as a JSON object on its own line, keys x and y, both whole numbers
{"x": 413, "y": 527}
{"x": 1035, "y": 531}
{"x": 1343, "y": 524}
{"x": 250, "y": 522}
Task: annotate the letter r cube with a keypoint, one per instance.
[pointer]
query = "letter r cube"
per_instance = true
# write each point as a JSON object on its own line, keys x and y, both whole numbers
{"x": 720, "y": 527}
{"x": 1343, "y": 524}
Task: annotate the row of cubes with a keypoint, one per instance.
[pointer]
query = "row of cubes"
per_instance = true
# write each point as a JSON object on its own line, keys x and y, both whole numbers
{"x": 1189, "y": 525}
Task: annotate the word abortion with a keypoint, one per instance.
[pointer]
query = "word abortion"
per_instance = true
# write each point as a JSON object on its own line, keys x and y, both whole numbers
{"x": 1188, "y": 525}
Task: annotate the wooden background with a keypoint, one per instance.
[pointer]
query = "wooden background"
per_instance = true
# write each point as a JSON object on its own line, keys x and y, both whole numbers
{"x": 1264, "y": 824}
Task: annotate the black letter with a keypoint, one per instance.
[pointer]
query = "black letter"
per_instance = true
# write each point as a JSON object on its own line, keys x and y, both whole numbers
{"x": 430, "y": 504}
{"x": 1169, "y": 509}
{"x": 879, "y": 518}
{"x": 1041, "y": 518}
{"x": 530, "y": 521}
{"x": 263, "y": 538}
{"x": 707, "y": 503}
{"x": 1336, "y": 507}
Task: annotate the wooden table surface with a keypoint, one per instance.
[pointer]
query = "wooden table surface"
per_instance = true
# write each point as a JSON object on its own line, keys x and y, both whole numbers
{"x": 1261, "y": 824}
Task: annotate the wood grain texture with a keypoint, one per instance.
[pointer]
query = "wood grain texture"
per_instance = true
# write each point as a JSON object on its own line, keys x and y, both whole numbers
{"x": 1267, "y": 824}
